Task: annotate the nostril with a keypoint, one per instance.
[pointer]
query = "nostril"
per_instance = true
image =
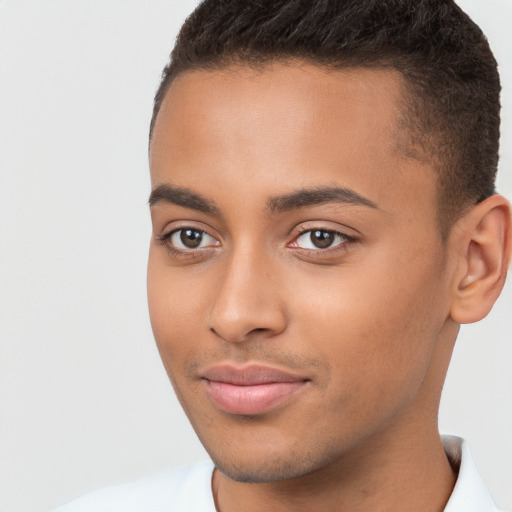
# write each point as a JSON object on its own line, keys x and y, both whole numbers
{"x": 257, "y": 330}
{"x": 238, "y": 336}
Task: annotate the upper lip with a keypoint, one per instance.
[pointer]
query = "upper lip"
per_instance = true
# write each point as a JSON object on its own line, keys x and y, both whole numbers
{"x": 250, "y": 375}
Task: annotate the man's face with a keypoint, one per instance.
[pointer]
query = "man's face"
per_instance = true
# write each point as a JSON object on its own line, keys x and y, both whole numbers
{"x": 297, "y": 279}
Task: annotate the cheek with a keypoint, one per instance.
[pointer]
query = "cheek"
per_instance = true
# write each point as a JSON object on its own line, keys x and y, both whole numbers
{"x": 376, "y": 327}
{"x": 174, "y": 310}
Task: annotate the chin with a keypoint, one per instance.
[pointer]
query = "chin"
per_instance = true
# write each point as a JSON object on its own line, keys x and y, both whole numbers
{"x": 273, "y": 467}
{"x": 268, "y": 471}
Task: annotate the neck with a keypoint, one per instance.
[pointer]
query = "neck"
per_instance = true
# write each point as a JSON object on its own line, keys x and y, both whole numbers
{"x": 414, "y": 474}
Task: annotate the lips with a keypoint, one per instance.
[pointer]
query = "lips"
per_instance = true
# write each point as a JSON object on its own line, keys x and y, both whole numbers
{"x": 250, "y": 390}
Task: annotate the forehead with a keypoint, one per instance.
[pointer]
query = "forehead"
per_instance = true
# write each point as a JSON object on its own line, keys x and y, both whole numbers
{"x": 284, "y": 96}
{"x": 286, "y": 124}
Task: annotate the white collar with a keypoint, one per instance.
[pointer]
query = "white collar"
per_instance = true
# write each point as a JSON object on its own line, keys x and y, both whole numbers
{"x": 470, "y": 493}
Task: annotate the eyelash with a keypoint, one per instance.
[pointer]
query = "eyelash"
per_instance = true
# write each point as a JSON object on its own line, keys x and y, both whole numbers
{"x": 342, "y": 246}
{"x": 165, "y": 240}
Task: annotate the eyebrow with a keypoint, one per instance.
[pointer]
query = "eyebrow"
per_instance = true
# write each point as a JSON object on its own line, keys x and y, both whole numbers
{"x": 182, "y": 197}
{"x": 305, "y": 198}
{"x": 302, "y": 198}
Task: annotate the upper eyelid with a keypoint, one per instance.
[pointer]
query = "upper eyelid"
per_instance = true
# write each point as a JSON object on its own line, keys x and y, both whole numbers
{"x": 168, "y": 231}
{"x": 184, "y": 228}
{"x": 348, "y": 238}
{"x": 301, "y": 229}
{"x": 333, "y": 231}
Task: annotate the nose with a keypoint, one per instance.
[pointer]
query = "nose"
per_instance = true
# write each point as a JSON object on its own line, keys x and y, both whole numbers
{"x": 247, "y": 302}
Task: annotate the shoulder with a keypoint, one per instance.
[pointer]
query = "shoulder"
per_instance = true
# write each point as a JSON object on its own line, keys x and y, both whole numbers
{"x": 185, "y": 489}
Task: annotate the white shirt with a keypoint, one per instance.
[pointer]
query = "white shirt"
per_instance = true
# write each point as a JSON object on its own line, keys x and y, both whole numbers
{"x": 189, "y": 489}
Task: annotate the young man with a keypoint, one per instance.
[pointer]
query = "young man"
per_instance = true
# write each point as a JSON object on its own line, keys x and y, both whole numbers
{"x": 324, "y": 219}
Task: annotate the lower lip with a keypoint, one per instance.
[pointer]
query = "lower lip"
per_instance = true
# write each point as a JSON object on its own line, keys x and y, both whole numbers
{"x": 251, "y": 400}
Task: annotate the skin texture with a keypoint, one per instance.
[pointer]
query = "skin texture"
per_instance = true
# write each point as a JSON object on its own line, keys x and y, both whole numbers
{"x": 368, "y": 323}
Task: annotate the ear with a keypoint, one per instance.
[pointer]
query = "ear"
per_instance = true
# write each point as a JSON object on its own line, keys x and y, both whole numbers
{"x": 484, "y": 245}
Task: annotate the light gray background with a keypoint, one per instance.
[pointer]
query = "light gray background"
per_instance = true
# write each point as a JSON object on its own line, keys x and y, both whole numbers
{"x": 84, "y": 401}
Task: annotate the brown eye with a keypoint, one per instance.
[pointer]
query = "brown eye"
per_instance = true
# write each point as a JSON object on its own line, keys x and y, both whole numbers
{"x": 322, "y": 239}
{"x": 191, "y": 238}
{"x": 318, "y": 239}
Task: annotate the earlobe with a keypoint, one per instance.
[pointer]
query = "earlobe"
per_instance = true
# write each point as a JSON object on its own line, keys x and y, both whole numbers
{"x": 485, "y": 246}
